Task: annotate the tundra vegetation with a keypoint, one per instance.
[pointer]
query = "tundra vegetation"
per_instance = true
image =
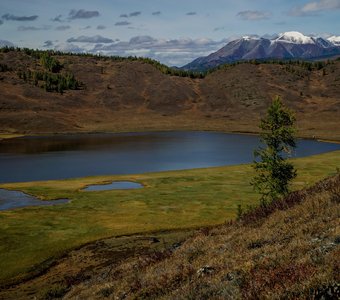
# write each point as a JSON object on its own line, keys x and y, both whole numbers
{"x": 32, "y": 238}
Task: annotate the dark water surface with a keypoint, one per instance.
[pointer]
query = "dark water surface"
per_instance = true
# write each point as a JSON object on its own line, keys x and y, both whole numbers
{"x": 115, "y": 185}
{"x": 57, "y": 157}
{"x": 16, "y": 199}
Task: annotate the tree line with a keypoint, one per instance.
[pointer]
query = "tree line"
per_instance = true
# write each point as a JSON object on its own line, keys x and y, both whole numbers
{"x": 47, "y": 59}
{"x": 41, "y": 54}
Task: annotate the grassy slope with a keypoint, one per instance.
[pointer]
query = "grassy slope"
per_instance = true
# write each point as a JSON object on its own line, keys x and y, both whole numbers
{"x": 179, "y": 199}
{"x": 135, "y": 96}
{"x": 291, "y": 254}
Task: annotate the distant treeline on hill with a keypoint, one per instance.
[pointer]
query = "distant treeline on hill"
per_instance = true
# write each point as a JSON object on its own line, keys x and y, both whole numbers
{"x": 52, "y": 65}
{"x": 163, "y": 68}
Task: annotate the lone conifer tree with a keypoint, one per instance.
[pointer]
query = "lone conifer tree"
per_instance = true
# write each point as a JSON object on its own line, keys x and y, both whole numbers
{"x": 273, "y": 171}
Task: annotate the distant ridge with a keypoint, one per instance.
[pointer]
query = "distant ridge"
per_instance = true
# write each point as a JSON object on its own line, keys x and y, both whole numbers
{"x": 288, "y": 45}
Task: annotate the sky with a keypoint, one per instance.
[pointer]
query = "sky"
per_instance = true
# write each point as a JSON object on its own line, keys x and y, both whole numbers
{"x": 172, "y": 31}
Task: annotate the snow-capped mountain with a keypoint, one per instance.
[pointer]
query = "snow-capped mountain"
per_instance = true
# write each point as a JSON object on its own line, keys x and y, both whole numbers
{"x": 294, "y": 37}
{"x": 335, "y": 40}
{"x": 287, "y": 45}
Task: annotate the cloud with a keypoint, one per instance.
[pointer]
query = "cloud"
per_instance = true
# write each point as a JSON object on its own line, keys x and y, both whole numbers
{"x": 123, "y": 23}
{"x": 1, "y": 22}
{"x": 82, "y": 14}
{"x": 254, "y": 15}
{"x": 191, "y": 13}
{"x": 101, "y": 27}
{"x": 123, "y": 16}
{"x": 135, "y": 14}
{"x": 90, "y": 39}
{"x": 57, "y": 19}
{"x": 9, "y": 17}
{"x": 171, "y": 52}
{"x": 48, "y": 44}
{"x": 86, "y": 27}
{"x": 219, "y": 28}
{"x": 33, "y": 28}
{"x": 156, "y": 13}
{"x": 313, "y": 8}
{"x": 62, "y": 27}
{"x": 67, "y": 47}
{"x": 4, "y": 43}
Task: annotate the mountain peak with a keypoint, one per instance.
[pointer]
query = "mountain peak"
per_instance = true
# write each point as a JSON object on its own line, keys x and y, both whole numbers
{"x": 335, "y": 40}
{"x": 250, "y": 37}
{"x": 295, "y": 37}
{"x": 287, "y": 45}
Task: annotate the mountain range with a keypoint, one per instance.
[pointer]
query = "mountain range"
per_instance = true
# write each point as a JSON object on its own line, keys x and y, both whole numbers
{"x": 288, "y": 45}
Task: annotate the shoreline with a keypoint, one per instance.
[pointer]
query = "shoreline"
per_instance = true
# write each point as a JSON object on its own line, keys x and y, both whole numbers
{"x": 7, "y": 136}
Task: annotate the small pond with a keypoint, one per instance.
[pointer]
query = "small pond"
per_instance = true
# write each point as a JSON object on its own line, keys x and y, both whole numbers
{"x": 15, "y": 199}
{"x": 116, "y": 185}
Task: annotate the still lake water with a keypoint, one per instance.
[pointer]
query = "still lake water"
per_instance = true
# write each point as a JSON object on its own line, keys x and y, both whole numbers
{"x": 57, "y": 157}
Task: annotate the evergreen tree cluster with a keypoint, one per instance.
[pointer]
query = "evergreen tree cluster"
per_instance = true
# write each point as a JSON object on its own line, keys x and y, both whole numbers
{"x": 307, "y": 65}
{"x": 50, "y": 63}
{"x": 49, "y": 81}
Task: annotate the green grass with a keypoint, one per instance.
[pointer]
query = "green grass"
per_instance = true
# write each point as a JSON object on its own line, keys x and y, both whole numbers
{"x": 169, "y": 200}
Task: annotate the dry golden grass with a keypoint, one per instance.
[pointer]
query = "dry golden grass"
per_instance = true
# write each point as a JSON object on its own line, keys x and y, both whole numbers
{"x": 290, "y": 254}
{"x": 134, "y": 96}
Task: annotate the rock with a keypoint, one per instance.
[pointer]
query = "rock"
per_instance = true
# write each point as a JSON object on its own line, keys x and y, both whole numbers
{"x": 327, "y": 292}
{"x": 206, "y": 270}
{"x": 176, "y": 245}
{"x": 154, "y": 240}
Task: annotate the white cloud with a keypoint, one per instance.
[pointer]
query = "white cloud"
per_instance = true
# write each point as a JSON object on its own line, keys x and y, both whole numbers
{"x": 4, "y": 43}
{"x": 315, "y": 7}
{"x": 176, "y": 52}
{"x": 171, "y": 52}
{"x": 67, "y": 47}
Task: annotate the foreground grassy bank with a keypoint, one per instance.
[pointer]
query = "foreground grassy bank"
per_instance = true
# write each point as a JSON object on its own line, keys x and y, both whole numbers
{"x": 288, "y": 250}
{"x": 170, "y": 200}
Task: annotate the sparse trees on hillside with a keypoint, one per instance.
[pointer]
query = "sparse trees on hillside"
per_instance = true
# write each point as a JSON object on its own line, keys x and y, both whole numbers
{"x": 50, "y": 63}
{"x": 273, "y": 171}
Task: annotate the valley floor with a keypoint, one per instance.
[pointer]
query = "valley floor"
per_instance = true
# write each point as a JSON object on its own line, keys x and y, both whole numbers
{"x": 36, "y": 242}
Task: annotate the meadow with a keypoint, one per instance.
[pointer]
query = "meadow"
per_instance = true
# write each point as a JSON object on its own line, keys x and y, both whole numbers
{"x": 30, "y": 237}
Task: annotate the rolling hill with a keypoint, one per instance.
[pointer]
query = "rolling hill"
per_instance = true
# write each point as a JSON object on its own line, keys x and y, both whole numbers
{"x": 134, "y": 95}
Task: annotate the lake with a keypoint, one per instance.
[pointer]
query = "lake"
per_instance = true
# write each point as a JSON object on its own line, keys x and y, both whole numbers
{"x": 68, "y": 156}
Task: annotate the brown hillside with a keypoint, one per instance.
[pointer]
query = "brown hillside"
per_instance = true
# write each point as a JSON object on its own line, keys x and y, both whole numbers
{"x": 292, "y": 253}
{"x": 132, "y": 95}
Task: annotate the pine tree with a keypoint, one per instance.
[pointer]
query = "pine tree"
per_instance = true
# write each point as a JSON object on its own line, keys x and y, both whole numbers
{"x": 273, "y": 171}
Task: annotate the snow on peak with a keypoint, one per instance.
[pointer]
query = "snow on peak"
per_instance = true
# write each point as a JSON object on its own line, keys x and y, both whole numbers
{"x": 250, "y": 37}
{"x": 295, "y": 37}
{"x": 335, "y": 40}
